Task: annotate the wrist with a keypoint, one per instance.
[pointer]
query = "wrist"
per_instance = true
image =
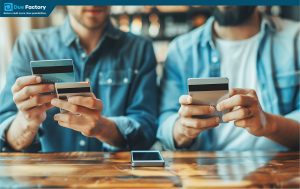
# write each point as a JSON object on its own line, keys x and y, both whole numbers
{"x": 104, "y": 125}
{"x": 21, "y": 133}
{"x": 271, "y": 124}
{"x": 180, "y": 140}
{"x": 25, "y": 123}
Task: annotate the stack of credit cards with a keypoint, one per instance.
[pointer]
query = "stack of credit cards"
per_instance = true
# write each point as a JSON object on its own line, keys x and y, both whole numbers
{"x": 54, "y": 71}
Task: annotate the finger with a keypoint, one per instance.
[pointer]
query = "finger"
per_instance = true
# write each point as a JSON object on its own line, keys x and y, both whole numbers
{"x": 68, "y": 118}
{"x": 190, "y": 110}
{"x": 31, "y": 90}
{"x": 36, "y": 100}
{"x": 236, "y": 100}
{"x": 36, "y": 111}
{"x": 89, "y": 102}
{"x": 190, "y": 132}
{"x": 239, "y": 114}
{"x": 185, "y": 99}
{"x": 24, "y": 81}
{"x": 243, "y": 123}
{"x": 71, "y": 107}
{"x": 70, "y": 126}
{"x": 200, "y": 123}
{"x": 235, "y": 91}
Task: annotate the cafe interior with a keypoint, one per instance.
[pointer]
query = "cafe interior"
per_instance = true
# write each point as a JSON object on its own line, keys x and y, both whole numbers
{"x": 181, "y": 168}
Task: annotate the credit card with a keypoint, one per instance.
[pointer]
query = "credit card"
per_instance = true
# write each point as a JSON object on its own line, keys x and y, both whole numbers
{"x": 208, "y": 91}
{"x": 66, "y": 90}
{"x": 54, "y": 71}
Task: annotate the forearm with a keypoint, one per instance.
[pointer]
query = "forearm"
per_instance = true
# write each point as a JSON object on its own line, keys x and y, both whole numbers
{"x": 110, "y": 134}
{"x": 21, "y": 133}
{"x": 284, "y": 131}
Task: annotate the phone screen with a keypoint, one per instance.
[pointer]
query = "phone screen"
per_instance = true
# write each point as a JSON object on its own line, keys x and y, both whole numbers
{"x": 140, "y": 156}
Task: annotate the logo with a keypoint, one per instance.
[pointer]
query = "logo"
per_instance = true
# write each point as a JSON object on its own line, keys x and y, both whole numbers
{"x": 24, "y": 10}
{"x": 8, "y": 7}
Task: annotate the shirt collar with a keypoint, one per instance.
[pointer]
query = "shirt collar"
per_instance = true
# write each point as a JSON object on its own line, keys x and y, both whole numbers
{"x": 68, "y": 35}
{"x": 267, "y": 24}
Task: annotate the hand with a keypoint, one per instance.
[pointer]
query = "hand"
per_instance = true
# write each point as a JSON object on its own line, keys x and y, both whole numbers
{"x": 32, "y": 105}
{"x": 85, "y": 114}
{"x": 246, "y": 112}
{"x": 188, "y": 127}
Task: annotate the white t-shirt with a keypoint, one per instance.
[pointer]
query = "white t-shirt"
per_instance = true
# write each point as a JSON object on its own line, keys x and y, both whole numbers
{"x": 238, "y": 63}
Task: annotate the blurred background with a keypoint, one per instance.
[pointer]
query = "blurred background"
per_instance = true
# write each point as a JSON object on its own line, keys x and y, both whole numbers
{"x": 160, "y": 23}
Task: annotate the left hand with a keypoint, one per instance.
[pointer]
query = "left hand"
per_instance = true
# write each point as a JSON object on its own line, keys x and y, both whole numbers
{"x": 246, "y": 112}
{"x": 85, "y": 114}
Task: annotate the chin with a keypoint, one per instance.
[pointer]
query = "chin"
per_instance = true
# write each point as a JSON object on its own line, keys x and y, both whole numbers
{"x": 94, "y": 23}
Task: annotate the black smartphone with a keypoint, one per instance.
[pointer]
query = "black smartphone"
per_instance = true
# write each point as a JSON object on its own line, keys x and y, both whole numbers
{"x": 148, "y": 158}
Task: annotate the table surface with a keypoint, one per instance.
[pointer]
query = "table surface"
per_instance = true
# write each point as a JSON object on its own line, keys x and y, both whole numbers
{"x": 183, "y": 169}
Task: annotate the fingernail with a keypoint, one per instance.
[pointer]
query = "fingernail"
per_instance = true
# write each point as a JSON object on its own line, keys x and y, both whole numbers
{"x": 54, "y": 101}
{"x": 218, "y": 107}
{"x": 38, "y": 79}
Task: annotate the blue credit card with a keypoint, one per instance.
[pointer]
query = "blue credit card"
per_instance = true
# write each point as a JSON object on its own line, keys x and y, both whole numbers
{"x": 54, "y": 71}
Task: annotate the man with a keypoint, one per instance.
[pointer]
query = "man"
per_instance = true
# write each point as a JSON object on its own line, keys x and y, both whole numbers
{"x": 260, "y": 56}
{"x": 120, "y": 68}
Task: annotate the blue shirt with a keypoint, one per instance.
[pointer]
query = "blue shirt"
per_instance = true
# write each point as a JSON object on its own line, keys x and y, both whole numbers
{"x": 194, "y": 55}
{"x": 122, "y": 74}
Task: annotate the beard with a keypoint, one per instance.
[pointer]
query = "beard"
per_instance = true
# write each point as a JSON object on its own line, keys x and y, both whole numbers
{"x": 234, "y": 15}
{"x": 92, "y": 23}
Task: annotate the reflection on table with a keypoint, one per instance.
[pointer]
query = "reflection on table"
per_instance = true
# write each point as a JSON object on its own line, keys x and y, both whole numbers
{"x": 183, "y": 169}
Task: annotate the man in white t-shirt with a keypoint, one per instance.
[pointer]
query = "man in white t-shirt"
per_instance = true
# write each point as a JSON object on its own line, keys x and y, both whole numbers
{"x": 260, "y": 56}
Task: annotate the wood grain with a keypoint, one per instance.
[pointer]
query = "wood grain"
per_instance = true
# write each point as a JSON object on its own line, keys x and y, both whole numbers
{"x": 182, "y": 170}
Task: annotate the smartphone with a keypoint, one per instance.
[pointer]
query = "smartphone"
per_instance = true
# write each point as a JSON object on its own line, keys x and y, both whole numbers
{"x": 66, "y": 90}
{"x": 152, "y": 158}
{"x": 208, "y": 91}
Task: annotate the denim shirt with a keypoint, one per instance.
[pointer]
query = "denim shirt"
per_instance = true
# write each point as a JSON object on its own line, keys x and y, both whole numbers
{"x": 122, "y": 74}
{"x": 195, "y": 55}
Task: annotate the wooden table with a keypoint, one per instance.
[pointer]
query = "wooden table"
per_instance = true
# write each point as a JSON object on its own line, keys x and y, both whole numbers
{"x": 183, "y": 169}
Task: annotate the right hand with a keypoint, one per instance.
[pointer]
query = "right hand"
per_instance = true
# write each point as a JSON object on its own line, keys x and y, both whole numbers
{"x": 32, "y": 105}
{"x": 187, "y": 127}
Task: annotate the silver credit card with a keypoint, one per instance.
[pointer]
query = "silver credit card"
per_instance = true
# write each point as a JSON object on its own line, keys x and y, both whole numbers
{"x": 66, "y": 90}
{"x": 208, "y": 91}
{"x": 54, "y": 71}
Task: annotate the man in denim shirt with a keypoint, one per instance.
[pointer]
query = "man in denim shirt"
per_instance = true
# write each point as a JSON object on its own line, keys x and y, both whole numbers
{"x": 254, "y": 51}
{"x": 121, "y": 69}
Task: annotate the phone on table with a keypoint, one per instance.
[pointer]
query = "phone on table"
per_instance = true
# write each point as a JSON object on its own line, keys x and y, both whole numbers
{"x": 152, "y": 158}
{"x": 66, "y": 90}
{"x": 208, "y": 91}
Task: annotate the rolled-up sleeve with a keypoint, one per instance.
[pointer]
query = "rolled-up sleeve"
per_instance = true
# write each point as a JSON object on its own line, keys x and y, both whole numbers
{"x": 139, "y": 125}
{"x": 172, "y": 86}
{"x": 8, "y": 109}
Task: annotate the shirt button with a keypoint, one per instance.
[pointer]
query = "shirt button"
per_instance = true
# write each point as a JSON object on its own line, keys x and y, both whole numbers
{"x": 87, "y": 79}
{"x": 214, "y": 59}
{"x": 3, "y": 149}
{"x": 83, "y": 55}
{"x": 125, "y": 80}
{"x": 82, "y": 143}
{"x": 109, "y": 81}
{"x": 136, "y": 71}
